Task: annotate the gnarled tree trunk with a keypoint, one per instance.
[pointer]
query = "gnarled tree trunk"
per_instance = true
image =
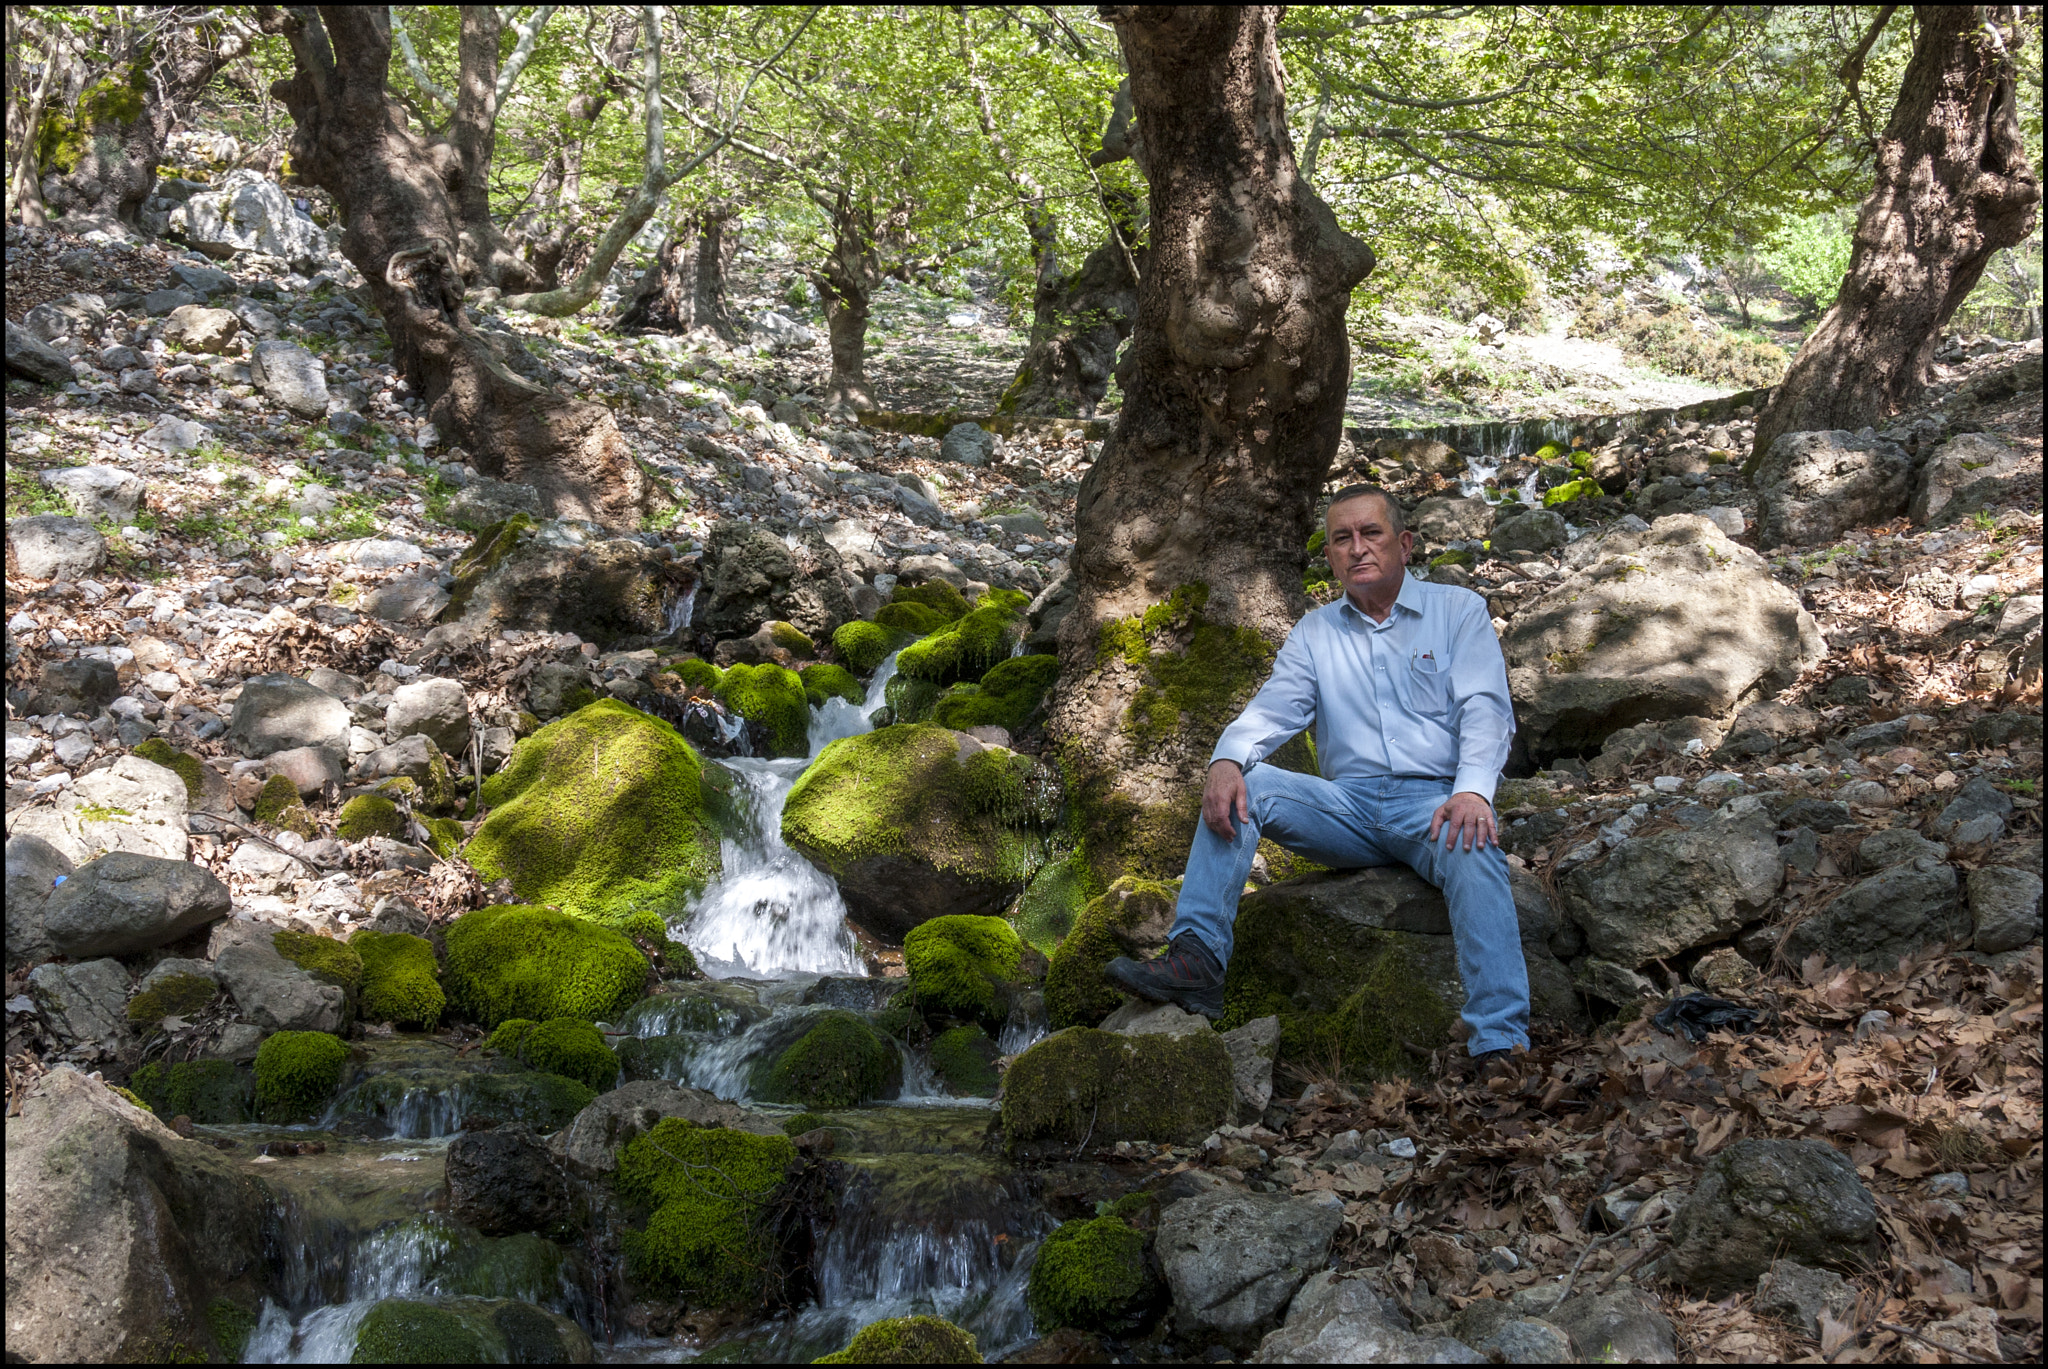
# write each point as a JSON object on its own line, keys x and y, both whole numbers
{"x": 1953, "y": 186}
{"x": 1201, "y": 502}
{"x": 684, "y": 287}
{"x": 401, "y": 227}
{"x": 488, "y": 257}
{"x": 1078, "y": 320}
{"x": 847, "y": 280}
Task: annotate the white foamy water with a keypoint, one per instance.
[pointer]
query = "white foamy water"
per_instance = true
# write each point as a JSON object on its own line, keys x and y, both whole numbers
{"x": 772, "y": 911}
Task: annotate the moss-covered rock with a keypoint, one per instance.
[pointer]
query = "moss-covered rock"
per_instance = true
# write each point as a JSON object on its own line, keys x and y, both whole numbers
{"x": 278, "y": 805}
{"x": 959, "y": 964}
{"x": 232, "y": 1325}
{"x": 1092, "y": 1275}
{"x": 865, "y": 645}
{"x": 1102, "y": 1087}
{"x": 822, "y": 682}
{"x": 600, "y": 813}
{"x": 296, "y": 1073}
{"x": 444, "y": 836}
{"x": 1052, "y": 904}
{"x": 965, "y": 1060}
{"x": 969, "y": 647}
{"x": 327, "y": 960}
{"x": 570, "y": 1047}
{"x": 1007, "y": 696}
{"x": 912, "y": 701}
{"x": 184, "y": 764}
{"x": 889, "y": 815}
{"x": 937, "y": 595}
{"x": 210, "y": 1092}
{"x": 697, "y": 674}
{"x": 839, "y": 1062}
{"x": 791, "y": 638}
{"x": 510, "y": 1035}
{"x": 369, "y": 815}
{"x": 672, "y": 959}
{"x": 774, "y": 697}
{"x": 392, "y": 1101}
{"x": 1585, "y": 487}
{"x": 1132, "y": 919}
{"x": 401, "y": 979}
{"x": 468, "y": 1331}
{"x": 513, "y": 961}
{"x": 177, "y": 995}
{"x": 801, "y": 1123}
{"x": 706, "y": 1239}
{"x": 907, "y": 1340}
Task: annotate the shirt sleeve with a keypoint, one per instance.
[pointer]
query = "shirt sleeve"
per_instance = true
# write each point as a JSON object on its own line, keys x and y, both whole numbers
{"x": 1484, "y": 715}
{"x": 1284, "y": 705}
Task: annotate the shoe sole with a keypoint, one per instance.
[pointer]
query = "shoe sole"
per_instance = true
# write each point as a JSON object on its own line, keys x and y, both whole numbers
{"x": 1209, "y": 1003}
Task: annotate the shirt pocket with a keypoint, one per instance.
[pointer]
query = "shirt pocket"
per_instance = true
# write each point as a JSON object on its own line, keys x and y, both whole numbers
{"x": 1429, "y": 686}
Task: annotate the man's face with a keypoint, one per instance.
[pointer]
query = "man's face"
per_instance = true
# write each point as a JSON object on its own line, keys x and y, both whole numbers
{"x": 1364, "y": 552}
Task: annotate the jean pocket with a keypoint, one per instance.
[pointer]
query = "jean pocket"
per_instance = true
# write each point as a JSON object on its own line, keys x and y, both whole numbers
{"x": 1429, "y": 688}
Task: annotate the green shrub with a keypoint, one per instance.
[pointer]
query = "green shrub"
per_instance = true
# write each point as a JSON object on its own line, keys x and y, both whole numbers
{"x": 1008, "y": 695}
{"x": 839, "y": 1062}
{"x": 965, "y": 1059}
{"x": 512, "y": 961}
{"x": 907, "y": 1340}
{"x": 822, "y": 682}
{"x": 958, "y": 963}
{"x": 573, "y": 1049}
{"x": 210, "y": 1092}
{"x": 401, "y": 979}
{"x": 368, "y": 815}
{"x": 1091, "y": 1274}
{"x": 707, "y": 1239}
{"x": 296, "y": 1072}
{"x": 773, "y": 696}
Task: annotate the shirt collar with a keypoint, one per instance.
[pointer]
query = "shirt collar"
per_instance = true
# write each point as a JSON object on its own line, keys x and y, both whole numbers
{"x": 1410, "y": 598}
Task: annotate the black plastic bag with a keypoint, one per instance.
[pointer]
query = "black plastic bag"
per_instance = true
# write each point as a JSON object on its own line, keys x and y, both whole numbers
{"x": 1696, "y": 1014}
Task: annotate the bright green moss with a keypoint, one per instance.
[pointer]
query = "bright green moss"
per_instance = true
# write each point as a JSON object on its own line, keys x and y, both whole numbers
{"x": 1460, "y": 557}
{"x": 773, "y": 696}
{"x": 182, "y": 763}
{"x": 965, "y": 1059}
{"x": 129, "y": 1096}
{"x": 401, "y": 979}
{"x": 512, "y": 961}
{"x": 278, "y": 805}
{"x": 492, "y": 545}
{"x": 600, "y": 813}
{"x": 1316, "y": 540}
{"x": 792, "y": 639}
{"x": 822, "y": 682}
{"x": 966, "y": 649}
{"x": 899, "y": 1018}
{"x": 1007, "y": 697}
{"x": 912, "y": 701}
{"x": 510, "y": 1035}
{"x": 573, "y": 1049}
{"x": 401, "y": 1331}
{"x": 907, "y": 1340}
{"x": 707, "y": 1239}
{"x": 369, "y": 815}
{"x": 865, "y": 645}
{"x": 1091, "y": 1274}
{"x": 296, "y": 1072}
{"x": 444, "y": 836}
{"x": 1103, "y": 1087}
{"x": 937, "y": 595}
{"x": 1047, "y": 912}
{"x": 696, "y": 674}
{"x": 993, "y": 782}
{"x": 178, "y": 995}
{"x": 840, "y": 1062}
{"x": 327, "y": 960}
{"x": 1076, "y": 995}
{"x": 901, "y": 791}
{"x": 105, "y": 109}
{"x": 915, "y": 619}
{"x": 1551, "y": 451}
{"x": 1584, "y": 487}
{"x": 210, "y": 1092}
{"x": 958, "y": 964}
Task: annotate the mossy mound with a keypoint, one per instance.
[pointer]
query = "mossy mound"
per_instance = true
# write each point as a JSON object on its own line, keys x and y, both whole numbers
{"x": 296, "y": 1073}
{"x": 210, "y": 1092}
{"x": 914, "y": 619}
{"x": 839, "y": 1062}
{"x": 959, "y": 964}
{"x": 232, "y": 1325}
{"x": 178, "y": 995}
{"x": 1101, "y": 1087}
{"x": 544, "y": 1102}
{"x": 801, "y": 1123}
{"x": 912, "y": 701}
{"x": 907, "y": 1340}
{"x": 184, "y": 764}
{"x": 327, "y": 960}
{"x": 672, "y": 959}
{"x": 468, "y": 1331}
{"x": 1052, "y": 904}
{"x": 1092, "y": 1275}
{"x": 968, "y": 648}
{"x": 600, "y": 813}
{"x": 822, "y": 682}
{"x": 278, "y": 805}
{"x": 792, "y": 639}
{"x": 369, "y": 815}
{"x": 513, "y": 961}
{"x": 889, "y": 814}
{"x": 708, "y": 1239}
{"x": 1006, "y": 697}
{"x": 1130, "y": 918}
{"x": 444, "y": 836}
{"x": 965, "y": 1059}
{"x": 570, "y": 1047}
{"x": 937, "y": 595}
{"x": 774, "y": 697}
{"x": 401, "y": 979}
{"x": 1584, "y": 487}
{"x": 696, "y": 674}
{"x": 865, "y": 645}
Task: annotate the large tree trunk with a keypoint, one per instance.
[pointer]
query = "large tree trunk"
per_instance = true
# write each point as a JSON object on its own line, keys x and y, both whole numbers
{"x": 846, "y": 281}
{"x": 487, "y": 256}
{"x": 400, "y": 230}
{"x": 684, "y": 287}
{"x": 1191, "y": 527}
{"x": 1953, "y": 186}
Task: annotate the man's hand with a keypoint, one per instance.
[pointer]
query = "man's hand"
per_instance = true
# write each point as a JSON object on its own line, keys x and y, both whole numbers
{"x": 1464, "y": 815}
{"x": 1223, "y": 797}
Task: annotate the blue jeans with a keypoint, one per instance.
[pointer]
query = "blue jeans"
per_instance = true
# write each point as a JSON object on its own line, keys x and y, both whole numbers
{"x": 1373, "y": 821}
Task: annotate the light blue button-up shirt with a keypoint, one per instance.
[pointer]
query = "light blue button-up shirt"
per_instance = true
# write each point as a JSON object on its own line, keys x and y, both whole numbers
{"x": 1423, "y": 693}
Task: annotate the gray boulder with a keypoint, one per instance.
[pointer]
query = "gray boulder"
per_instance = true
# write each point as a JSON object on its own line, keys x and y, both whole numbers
{"x": 30, "y": 356}
{"x": 1896, "y": 912}
{"x": 1763, "y": 1200}
{"x": 1644, "y": 629}
{"x": 503, "y": 1181}
{"x": 131, "y": 805}
{"x": 1791, "y": 1293}
{"x": 49, "y": 545}
{"x": 2005, "y": 906}
{"x": 1232, "y": 1259}
{"x": 292, "y": 376}
{"x": 1440, "y": 520}
{"x": 751, "y": 576}
{"x": 121, "y": 1235}
{"x": 1622, "y": 1326}
{"x": 207, "y": 282}
{"x": 968, "y": 444}
{"x": 248, "y": 214}
{"x": 589, "y": 1145}
{"x": 311, "y": 769}
{"x": 1963, "y": 476}
{"x": 1253, "y": 1048}
{"x": 436, "y": 708}
{"x": 83, "y": 1005}
{"x": 406, "y": 601}
{"x": 123, "y": 903}
{"x": 548, "y": 688}
{"x": 1688, "y": 886}
{"x": 1339, "y": 1320}
{"x": 1022, "y": 525}
{"x": 81, "y": 686}
{"x": 271, "y": 991}
{"x": 278, "y": 712}
{"x": 1536, "y": 530}
{"x": 520, "y": 576}
{"x": 97, "y": 492}
{"x": 173, "y": 434}
{"x": 1976, "y": 814}
{"x": 1895, "y": 846}
{"x": 33, "y": 868}
{"x": 485, "y": 501}
{"x": 204, "y": 330}
{"x": 1812, "y": 487}
{"x": 164, "y": 303}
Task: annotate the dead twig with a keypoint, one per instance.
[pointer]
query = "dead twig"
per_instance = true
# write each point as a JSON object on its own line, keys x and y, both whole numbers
{"x": 1595, "y": 1243}
{"x": 1945, "y": 1349}
{"x": 247, "y": 830}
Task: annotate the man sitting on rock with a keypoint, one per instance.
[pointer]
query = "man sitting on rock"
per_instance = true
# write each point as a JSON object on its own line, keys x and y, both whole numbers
{"x": 1408, "y": 691}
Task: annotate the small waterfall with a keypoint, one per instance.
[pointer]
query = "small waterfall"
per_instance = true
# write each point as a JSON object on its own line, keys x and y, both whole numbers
{"x": 676, "y": 612}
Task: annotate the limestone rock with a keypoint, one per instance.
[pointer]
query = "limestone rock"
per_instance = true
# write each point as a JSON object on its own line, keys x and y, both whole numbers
{"x": 1139, "y": 1018}
{"x": 1232, "y": 1259}
{"x": 1763, "y": 1200}
{"x": 1441, "y": 520}
{"x": 82, "y": 686}
{"x": 249, "y": 213}
{"x": 292, "y": 376}
{"x": 1338, "y": 1320}
{"x": 2005, "y": 906}
{"x": 1535, "y": 530}
{"x": 1977, "y": 813}
{"x": 1688, "y": 886}
{"x": 277, "y": 712}
{"x": 131, "y": 805}
{"x": 1621, "y": 1326}
{"x": 432, "y": 707}
{"x": 1252, "y": 1050}
{"x": 82, "y": 1004}
{"x": 123, "y": 903}
{"x": 29, "y": 355}
{"x": 519, "y": 575}
{"x": 1641, "y": 632}
{"x": 589, "y": 1145}
{"x": 484, "y": 501}
{"x": 1791, "y": 1293}
{"x": 1964, "y": 472}
{"x": 1894, "y": 913}
{"x": 98, "y": 492}
{"x": 968, "y": 444}
{"x": 33, "y": 866}
{"x": 1814, "y": 486}
{"x": 271, "y": 991}
{"x": 205, "y": 330}
{"x": 50, "y": 545}
{"x": 750, "y": 576}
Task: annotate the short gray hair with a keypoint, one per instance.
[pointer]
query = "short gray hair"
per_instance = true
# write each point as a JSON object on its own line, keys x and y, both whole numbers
{"x": 1395, "y": 521}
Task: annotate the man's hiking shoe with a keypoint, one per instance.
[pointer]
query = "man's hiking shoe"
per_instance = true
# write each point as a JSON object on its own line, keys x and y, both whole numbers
{"x": 1187, "y": 975}
{"x": 1488, "y": 1066}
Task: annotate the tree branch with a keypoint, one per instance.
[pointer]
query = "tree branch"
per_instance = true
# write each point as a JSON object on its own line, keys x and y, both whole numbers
{"x": 522, "y": 52}
{"x": 415, "y": 66}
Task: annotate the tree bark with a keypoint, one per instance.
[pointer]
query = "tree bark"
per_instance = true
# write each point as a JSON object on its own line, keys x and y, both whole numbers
{"x": 1078, "y": 320}
{"x": 400, "y": 229}
{"x": 1192, "y": 526}
{"x": 847, "y": 280}
{"x": 1953, "y": 186}
{"x": 486, "y": 255}
{"x": 684, "y": 287}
